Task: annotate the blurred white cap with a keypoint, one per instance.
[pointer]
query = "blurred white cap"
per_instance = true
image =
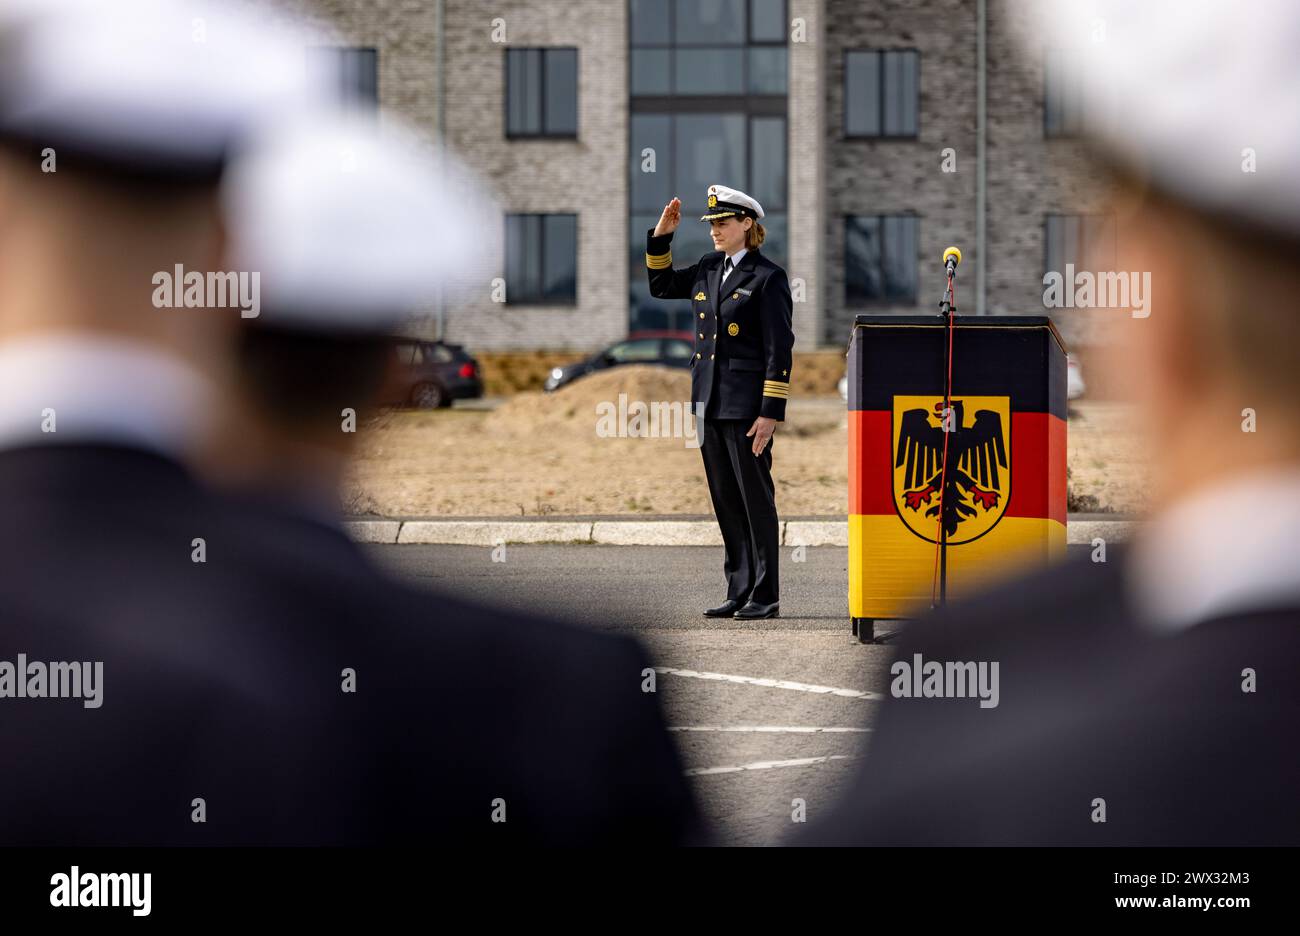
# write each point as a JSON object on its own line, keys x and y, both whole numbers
{"x": 1187, "y": 92}
{"x": 154, "y": 85}
{"x": 352, "y": 227}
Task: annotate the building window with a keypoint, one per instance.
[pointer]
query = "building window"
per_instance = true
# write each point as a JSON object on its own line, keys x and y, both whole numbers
{"x": 542, "y": 93}
{"x": 880, "y": 259}
{"x": 354, "y": 71}
{"x": 719, "y": 47}
{"x": 1085, "y": 241}
{"x": 1062, "y": 99}
{"x": 542, "y": 259}
{"x": 708, "y": 105}
{"x": 881, "y": 93}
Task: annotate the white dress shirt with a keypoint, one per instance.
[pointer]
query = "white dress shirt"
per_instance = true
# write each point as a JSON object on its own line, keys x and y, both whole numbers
{"x": 735, "y": 262}
{"x": 1229, "y": 548}
{"x": 100, "y": 389}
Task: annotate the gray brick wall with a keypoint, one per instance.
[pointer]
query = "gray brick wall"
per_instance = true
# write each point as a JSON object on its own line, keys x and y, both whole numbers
{"x": 587, "y": 176}
{"x": 889, "y": 176}
{"x": 1029, "y": 176}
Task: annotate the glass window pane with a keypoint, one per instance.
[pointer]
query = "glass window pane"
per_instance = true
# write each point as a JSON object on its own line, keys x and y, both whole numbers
{"x": 562, "y": 91}
{"x": 911, "y": 92}
{"x": 767, "y": 70}
{"x": 767, "y": 20}
{"x": 862, "y": 94}
{"x": 709, "y": 150}
{"x": 651, "y": 190}
{"x": 1052, "y": 248}
{"x": 1052, "y": 118}
{"x": 523, "y": 91}
{"x": 710, "y": 22}
{"x": 767, "y": 156}
{"x": 523, "y": 258}
{"x": 899, "y": 252}
{"x": 710, "y": 71}
{"x": 361, "y": 77}
{"x": 777, "y": 243}
{"x": 900, "y": 93}
{"x": 862, "y": 275}
{"x": 652, "y": 71}
{"x": 561, "y": 261}
{"x": 650, "y": 22}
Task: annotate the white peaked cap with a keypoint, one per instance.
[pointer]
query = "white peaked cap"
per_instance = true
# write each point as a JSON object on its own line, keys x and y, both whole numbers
{"x": 1180, "y": 89}
{"x": 722, "y": 202}
{"x": 352, "y": 228}
{"x": 153, "y": 84}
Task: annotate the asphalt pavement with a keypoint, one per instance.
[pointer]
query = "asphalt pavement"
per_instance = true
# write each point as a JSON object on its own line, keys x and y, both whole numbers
{"x": 768, "y": 715}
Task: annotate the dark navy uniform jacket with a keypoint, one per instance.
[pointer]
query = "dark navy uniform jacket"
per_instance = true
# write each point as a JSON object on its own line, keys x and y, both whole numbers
{"x": 223, "y": 681}
{"x": 745, "y": 334}
{"x": 1091, "y": 705}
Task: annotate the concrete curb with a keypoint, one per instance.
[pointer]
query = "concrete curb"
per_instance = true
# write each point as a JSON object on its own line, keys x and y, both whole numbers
{"x": 637, "y": 532}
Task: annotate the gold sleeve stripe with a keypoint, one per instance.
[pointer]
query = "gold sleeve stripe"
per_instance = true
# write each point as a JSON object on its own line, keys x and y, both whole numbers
{"x": 659, "y": 261}
{"x": 774, "y": 388}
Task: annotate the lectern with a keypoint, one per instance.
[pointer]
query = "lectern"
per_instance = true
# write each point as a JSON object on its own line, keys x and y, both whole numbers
{"x": 920, "y": 534}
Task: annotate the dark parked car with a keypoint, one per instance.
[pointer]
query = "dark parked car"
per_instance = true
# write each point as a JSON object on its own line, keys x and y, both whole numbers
{"x": 430, "y": 374}
{"x": 670, "y": 348}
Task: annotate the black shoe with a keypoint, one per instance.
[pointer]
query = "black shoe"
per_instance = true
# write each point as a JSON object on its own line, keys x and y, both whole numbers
{"x": 754, "y": 611}
{"x": 726, "y": 609}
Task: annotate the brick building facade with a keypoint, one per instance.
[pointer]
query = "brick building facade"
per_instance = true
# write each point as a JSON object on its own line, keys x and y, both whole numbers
{"x": 853, "y": 198}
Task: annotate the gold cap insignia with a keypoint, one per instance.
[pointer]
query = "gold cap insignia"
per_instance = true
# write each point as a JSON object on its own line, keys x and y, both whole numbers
{"x": 733, "y": 329}
{"x": 713, "y": 201}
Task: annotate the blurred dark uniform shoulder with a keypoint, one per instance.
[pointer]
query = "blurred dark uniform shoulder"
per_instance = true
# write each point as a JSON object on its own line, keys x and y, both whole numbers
{"x": 224, "y": 680}
{"x": 1093, "y": 705}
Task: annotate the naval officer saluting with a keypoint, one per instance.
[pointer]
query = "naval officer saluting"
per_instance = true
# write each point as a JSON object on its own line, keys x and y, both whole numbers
{"x": 740, "y": 375}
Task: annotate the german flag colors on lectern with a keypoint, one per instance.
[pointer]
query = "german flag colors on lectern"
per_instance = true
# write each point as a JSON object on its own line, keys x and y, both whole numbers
{"x": 1005, "y": 500}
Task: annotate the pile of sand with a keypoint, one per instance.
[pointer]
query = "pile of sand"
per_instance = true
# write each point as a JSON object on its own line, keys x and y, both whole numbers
{"x": 572, "y": 410}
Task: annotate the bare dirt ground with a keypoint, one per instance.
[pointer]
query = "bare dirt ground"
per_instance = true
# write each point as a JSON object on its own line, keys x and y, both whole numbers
{"x": 544, "y": 454}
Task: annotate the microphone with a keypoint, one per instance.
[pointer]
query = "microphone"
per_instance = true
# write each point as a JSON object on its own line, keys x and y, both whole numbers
{"x": 951, "y": 257}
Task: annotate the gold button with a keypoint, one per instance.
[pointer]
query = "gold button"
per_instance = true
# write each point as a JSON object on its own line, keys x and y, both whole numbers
{"x": 715, "y": 336}
{"x": 710, "y": 357}
{"x": 701, "y": 334}
{"x": 697, "y": 355}
{"x": 701, "y": 315}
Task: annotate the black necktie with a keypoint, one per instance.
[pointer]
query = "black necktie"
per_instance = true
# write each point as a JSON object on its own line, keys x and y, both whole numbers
{"x": 726, "y": 270}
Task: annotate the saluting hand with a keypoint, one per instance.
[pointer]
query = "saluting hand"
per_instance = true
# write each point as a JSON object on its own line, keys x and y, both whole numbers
{"x": 762, "y": 431}
{"x": 671, "y": 217}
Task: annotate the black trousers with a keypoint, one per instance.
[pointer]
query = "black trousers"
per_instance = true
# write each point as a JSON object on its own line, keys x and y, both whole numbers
{"x": 744, "y": 500}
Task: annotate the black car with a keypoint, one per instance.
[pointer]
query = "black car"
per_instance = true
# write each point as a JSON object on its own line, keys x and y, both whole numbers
{"x": 670, "y": 348}
{"x": 430, "y": 374}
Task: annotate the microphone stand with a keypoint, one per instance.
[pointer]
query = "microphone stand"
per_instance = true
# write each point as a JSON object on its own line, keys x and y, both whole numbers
{"x": 947, "y": 309}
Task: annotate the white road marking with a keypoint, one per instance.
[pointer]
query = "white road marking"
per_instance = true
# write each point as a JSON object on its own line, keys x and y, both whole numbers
{"x": 773, "y": 729}
{"x": 772, "y": 683}
{"x": 767, "y": 765}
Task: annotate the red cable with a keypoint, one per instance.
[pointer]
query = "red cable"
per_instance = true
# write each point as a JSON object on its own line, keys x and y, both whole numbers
{"x": 943, "y": 476}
